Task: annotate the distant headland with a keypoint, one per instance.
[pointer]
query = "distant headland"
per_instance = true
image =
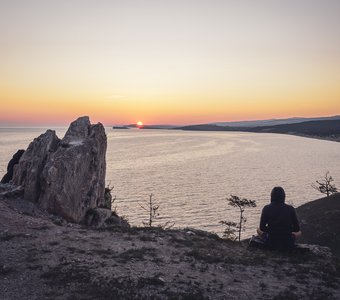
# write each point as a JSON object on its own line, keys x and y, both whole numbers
{"x": 327, "y": 128}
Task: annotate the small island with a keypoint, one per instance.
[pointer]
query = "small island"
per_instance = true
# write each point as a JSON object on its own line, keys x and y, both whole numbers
{"x": 120, "y": 127}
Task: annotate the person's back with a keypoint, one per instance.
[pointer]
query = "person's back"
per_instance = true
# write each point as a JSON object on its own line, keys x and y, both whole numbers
{"x": 279, "y": 223}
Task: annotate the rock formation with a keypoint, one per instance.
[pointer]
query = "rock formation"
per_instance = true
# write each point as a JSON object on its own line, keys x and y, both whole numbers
{"x": 27, "y": 172}
{"x": 320, "y": 222}
{"x": 66, "y": 177}
{"x": 10, "y": 167}
{"x": 103, "y": 217}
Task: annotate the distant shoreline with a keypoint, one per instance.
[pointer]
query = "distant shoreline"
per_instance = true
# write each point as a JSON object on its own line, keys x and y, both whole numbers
{"x": 325, "y": 130}
{"x": 331, "y": 139}
{"x": 324, "y": 138}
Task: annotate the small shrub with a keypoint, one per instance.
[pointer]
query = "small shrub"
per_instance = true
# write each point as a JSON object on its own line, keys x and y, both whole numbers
{"x": 232, "y": 227}
{"x": 325, "y": 186}
{"x": 229, "y": 232}
{"x": 108, "y": 199}
{"x": 151, "y": 207}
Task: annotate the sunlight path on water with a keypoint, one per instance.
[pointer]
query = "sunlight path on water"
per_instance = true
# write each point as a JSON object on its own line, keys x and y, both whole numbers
{"x": 192, "y": 173}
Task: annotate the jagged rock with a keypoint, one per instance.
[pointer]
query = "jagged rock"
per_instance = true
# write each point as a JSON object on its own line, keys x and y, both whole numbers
{"x": 66, "y": 177}
{"x": 97, "y": 217}
{"x": 320, "y": 222}
{"x": 198, "y": 232}
{"x": 73, "y": 179}
{"x": 117, "y": 221}
{"x": 321, "y": 251}
{"x": 8, "y": 190}
{"x": 10, "y": 167}
{"x": 27, "y": 172}
{"x": 102, "y": 217}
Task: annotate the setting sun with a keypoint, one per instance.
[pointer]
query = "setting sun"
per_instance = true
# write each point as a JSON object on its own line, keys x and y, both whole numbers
{"x": 239, "y": 148}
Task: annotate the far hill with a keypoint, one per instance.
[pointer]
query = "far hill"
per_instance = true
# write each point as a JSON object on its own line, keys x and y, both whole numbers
{"x": 157, "y": 127}
{"x": 273, "y": 122}
{"x": 328, "y": 129}
{"x": 320, "y": 222}
{"x": 211, "y": 127}
{"x": 317, "y": 128}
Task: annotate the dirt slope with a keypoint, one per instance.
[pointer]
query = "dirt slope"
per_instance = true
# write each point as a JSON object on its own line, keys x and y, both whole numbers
{"x": 41, "y": 260}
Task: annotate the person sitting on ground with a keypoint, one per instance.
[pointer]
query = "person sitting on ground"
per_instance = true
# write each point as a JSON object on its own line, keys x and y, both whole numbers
{"x": 279, "y": 225}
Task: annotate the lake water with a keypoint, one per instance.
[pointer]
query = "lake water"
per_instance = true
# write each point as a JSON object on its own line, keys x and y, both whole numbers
{"x": 191, "y": 174}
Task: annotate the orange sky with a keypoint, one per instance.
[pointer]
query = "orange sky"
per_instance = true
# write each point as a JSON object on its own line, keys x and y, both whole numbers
{"x": 167, "y": 62}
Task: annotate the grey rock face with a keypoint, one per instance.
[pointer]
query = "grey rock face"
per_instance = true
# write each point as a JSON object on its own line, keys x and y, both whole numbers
{"x": 66, "y": 177}
{"x": 10, "y": 167}
{"x": 27, "y": 172}
{"x": 11, "y": 191}
{"x": 97, "y": 217}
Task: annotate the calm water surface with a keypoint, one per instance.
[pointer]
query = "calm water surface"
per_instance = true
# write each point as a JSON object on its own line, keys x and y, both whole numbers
{"x": 192, "y": 173}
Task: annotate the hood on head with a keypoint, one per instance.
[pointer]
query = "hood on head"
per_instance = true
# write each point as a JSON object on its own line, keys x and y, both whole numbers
{"x": 278, "y": 195}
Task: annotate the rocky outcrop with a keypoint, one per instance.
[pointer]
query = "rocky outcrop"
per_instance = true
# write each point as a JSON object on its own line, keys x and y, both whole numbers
{"x": 27, "y": 172}
{"x": 10, "y": 167}
{"x": 66, "y": 177}
{"x": 10, "y": 191}
{"x": 103, "y": 217}
{"x": 320, "y": 222}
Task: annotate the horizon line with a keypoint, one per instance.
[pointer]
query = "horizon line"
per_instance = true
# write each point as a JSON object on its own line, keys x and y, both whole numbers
{"x": 55, "y": 125}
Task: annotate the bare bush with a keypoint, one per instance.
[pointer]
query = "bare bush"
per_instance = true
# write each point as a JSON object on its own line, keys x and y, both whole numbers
{"x": 151, "y": 206}
{"x": 108, "y": 199}
{"x": 325, "y": 186}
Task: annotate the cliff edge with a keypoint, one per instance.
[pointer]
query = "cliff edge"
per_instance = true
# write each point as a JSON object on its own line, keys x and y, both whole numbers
{"x": 43, "y": 258}
{"x": 65, "y": 177}
{"x": 320, "y": 222}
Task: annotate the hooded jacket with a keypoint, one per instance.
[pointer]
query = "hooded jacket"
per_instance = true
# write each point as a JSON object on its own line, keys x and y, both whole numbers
{"x": 279, "y": 220}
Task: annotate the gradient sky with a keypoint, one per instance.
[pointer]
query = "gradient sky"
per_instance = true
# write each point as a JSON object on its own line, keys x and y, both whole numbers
{"x": 167, "y": 62}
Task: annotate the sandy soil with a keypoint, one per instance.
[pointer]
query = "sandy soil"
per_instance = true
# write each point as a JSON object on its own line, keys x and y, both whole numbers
{"x": 42, "y": 260}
